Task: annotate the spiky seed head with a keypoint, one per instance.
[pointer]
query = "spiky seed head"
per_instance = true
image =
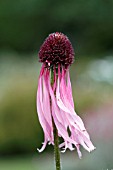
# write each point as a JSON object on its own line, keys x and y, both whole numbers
{"x": 56, "y": 49}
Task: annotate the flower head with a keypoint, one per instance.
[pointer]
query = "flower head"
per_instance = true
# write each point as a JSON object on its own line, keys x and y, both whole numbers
{"x": 55, "y": 101}
{"x": 56, "y": 49}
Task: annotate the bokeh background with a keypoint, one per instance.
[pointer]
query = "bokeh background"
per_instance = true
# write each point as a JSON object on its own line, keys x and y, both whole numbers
{"x": 23, "y": 27}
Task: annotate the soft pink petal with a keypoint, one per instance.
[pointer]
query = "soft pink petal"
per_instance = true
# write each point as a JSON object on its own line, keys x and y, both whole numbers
{"x": 78, "y": 151}
{"x": 55, "y": 80}
{"x": 46, "y": 102}
{"x": 47, "y": 126}
{"x": 58, "y": 115}
{"x": 40, "y": 108}
{"x": 55, "y": 112}
{"x": 43, "y": 146}
{"x": 64, "y": 104}
{"x": 81, "y": 137}
{"x": 69, "y": 90}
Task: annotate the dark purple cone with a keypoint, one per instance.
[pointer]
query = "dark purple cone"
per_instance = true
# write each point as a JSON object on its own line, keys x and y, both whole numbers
{"x": 56, "y": 49}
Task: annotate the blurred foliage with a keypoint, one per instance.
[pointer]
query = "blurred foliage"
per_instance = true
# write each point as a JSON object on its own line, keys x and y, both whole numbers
{"x": 25, "y": 24}
{"x": 19, "y": 128}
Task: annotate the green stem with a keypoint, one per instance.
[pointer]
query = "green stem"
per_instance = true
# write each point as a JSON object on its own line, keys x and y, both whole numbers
{"x": 56, "y": 148}
{"x": 56, "y": 138}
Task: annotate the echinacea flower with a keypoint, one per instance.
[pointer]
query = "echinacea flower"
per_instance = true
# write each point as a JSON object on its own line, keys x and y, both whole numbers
{"x": 54, "y": 100}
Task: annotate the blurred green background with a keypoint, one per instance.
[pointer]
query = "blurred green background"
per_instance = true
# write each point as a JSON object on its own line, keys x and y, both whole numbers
{"x": 23, "y": 27}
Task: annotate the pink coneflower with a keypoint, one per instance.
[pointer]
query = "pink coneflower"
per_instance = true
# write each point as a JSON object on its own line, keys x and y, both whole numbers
{"x": 54, "y": 100}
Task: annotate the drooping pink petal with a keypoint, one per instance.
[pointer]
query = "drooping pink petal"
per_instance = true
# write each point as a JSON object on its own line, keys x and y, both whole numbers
{"x": 46, "y": 125}
{"x": 75, "y": 121}
{"x": 43, "y": 146}
{"x": 64, "y": 103}
{"x": 40, "y": 107}
{"x": 66, "y": 145}
{"x": 69, "y": 89}
{"x": 40, "y": 115}
{"x": 58, "y": 119}
{"x": 46, "y": 102}
{"x": 78, "y": 151}
{"x": 55, "y": 80}
{"x": 58, "y": 115}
